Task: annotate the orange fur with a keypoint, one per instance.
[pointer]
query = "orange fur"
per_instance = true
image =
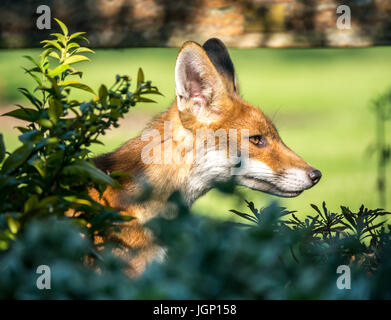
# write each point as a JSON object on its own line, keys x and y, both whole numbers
{"x": 209, "y": 99}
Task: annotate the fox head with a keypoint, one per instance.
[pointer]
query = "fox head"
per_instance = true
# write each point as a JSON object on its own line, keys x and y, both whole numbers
{"x": 207, "y": 96}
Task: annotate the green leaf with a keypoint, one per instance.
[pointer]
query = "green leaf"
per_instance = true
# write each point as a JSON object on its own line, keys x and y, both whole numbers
{"x": 34, "y": 76}
{"x": 142, "y": 99}
{"x": 63, "y": 27}
{"x": 73, "y": 45}
{"x": 77, "y": 84}
{"x": 33, "y": 61}
{"x": 31, "y": 97}
{"x": 102, "y": 93}
{"x": 60, "y": 69}
{"x": 46, "y": 123}
{"x": 22, "y": 129}
{"x": 51, "y": 200}
{"x": 55, "y": 86}
{"x": 348, "y": 215}
{"x": 84, "y": 49}
{"x": 13, "y": 224}
{"x": 140, "y": 77}
{"x": 60, "y": 37}
{"x": 24, "y": 114}
{"x": 152, "y": 92}
{"x": 31, "y": 203}
{"x": 244, "y": 215}
{"x": 86, "y": 169}
{"x": 4, "y": 245}
{"x": 76, "y": 35}
{"x": 52, "y": 43}
{"x": 75, "y": 59}
{"x": 55, "y": 55}
{"x": 76, "y": 73}
{"x": 55, "y": 109}
{"x": 18, "y": 157}
{"x": 74, "y": 199}
{"x": 44, "y": 59}
{"x": 31, "y": 136}
{"x": 39, "y": 165}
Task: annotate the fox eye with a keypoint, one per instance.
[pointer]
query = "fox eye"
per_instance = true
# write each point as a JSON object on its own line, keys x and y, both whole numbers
{"x": 258, "y": 140}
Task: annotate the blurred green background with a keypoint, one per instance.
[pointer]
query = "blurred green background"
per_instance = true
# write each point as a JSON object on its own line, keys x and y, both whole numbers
{"x": 319, "y": 100}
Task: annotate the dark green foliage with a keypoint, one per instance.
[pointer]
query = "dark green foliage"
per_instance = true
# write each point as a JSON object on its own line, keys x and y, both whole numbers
{"x": 57, "y": 244}
{"x": 207, "y": 259}
{"x": 51, "y": 172}
{"x": 276, "y": 256}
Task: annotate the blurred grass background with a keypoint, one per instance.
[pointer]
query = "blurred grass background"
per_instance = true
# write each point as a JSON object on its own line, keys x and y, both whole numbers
{"x": 319, "y": 100}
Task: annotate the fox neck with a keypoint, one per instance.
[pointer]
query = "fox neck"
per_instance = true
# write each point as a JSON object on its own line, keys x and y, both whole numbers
{"x": 191, "y": 179}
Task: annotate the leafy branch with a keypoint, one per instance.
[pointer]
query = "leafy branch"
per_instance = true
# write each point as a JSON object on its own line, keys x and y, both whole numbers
{"x": 51, "y": 173}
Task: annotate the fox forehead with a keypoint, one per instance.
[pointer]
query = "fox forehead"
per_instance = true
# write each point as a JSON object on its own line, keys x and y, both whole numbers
{"x": 242, "y": 115}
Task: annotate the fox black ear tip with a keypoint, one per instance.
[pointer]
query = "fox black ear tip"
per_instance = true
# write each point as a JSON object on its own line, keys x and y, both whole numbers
{"x": 213, "y": 41}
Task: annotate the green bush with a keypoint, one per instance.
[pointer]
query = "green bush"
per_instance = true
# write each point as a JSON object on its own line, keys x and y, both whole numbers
{"x": 57, "y": 244}
{"x": 275, "y": 256}
{"x": 209, "y": 259}
{"x": 51, "y": 172}
{"x": 271, "y": 255}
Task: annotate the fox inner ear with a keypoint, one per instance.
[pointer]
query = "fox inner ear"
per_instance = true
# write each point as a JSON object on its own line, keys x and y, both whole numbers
{"x": 198, "y": 84}
{"x": 218, "y": 54}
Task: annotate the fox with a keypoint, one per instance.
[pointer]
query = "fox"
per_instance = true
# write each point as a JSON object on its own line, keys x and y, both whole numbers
{"x": 207, "y": 98}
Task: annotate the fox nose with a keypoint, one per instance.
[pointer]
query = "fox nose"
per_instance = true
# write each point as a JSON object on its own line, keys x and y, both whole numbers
{"x": 315, "y": 176}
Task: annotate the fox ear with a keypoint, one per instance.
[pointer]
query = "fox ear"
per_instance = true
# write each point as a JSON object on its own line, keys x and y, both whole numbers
{"x": 218, "y": 54}
{"x": 198, "y": 84}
